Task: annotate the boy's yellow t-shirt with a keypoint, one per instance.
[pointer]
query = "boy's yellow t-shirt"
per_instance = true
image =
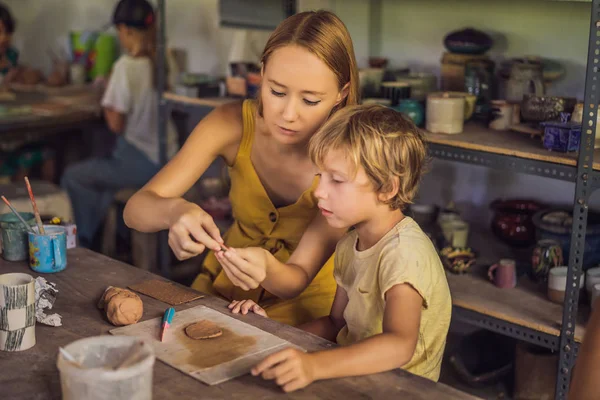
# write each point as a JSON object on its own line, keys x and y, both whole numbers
{"x": 404, "y": 255}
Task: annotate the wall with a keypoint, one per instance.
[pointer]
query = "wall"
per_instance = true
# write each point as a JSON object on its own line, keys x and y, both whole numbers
{"x": 192, "y": 25}
{"x": 413, "y": 31}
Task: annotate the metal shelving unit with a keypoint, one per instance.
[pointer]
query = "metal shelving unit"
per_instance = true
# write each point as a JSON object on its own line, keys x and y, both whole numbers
{"x": 579, "y": 170}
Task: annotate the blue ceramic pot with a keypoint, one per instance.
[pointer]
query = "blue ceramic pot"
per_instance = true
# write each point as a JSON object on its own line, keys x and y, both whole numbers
{"x": 413, "y": 109}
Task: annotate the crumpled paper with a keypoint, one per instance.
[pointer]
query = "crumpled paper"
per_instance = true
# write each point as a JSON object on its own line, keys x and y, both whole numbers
{"x": 45, "y": 295}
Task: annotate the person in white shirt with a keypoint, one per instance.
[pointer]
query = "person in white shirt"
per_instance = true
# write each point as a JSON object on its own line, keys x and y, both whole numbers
{"x": 130, "y": 109}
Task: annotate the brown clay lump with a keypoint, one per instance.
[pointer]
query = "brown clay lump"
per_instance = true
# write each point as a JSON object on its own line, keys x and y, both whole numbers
{"x": 123, "y": 307}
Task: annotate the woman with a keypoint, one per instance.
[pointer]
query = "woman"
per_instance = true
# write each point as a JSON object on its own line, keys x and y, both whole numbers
{"x": 308, "y": 72}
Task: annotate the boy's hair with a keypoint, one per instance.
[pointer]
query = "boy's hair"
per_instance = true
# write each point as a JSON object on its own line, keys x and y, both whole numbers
{"x": 7, "y": 19}
{"x": 379, "y": 139}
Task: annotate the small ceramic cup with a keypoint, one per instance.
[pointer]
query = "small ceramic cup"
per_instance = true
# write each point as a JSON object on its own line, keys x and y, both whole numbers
{"x": 17, "y": 312}
{"x": 48, "y": 253}
{"x": 503, "y": 115}
{"x": 592, "y": 277}
{"x": 459, "y": 233}
{"x": 395, "y": 91}
{"x": 503, "y": 274}
{"x": 594, "y": 295}
{"x": 557, "y": 284}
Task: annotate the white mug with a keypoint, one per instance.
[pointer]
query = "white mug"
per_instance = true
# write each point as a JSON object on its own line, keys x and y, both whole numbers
{"x": 17, "y": 312}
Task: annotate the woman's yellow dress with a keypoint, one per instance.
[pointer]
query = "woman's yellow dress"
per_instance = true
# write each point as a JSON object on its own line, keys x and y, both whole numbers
{"x": 258, "y": 223}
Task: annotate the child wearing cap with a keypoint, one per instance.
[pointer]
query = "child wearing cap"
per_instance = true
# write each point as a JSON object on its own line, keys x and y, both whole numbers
{"x": 392, "y": 307}
{"x": 130, "y": 109}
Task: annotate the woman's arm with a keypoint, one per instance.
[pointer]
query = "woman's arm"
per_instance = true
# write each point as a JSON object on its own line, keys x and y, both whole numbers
{"x": 293, "y": 369}
{"x": 253, "y": 266}
{"x": 159, "y": 205}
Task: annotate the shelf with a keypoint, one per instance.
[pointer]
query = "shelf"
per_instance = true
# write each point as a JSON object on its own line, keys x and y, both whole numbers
{"x": 505, "y": 150}
{"x": 198, "y": 101}
{"x": 525, "y": 306}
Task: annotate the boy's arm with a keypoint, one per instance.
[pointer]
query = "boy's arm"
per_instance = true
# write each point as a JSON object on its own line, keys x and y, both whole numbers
{"x": 293, "y": 369}
{"x": 328, "y": 327}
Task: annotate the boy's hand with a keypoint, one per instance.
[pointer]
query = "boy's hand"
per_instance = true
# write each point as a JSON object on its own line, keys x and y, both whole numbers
{"x": 290, "y": 368}
{"x": 244, "y": 306}
{"x": 245, "y": 268}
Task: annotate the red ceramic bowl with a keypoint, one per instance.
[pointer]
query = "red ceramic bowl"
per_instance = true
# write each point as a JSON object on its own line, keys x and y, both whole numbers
{"x": 512, "y": 221}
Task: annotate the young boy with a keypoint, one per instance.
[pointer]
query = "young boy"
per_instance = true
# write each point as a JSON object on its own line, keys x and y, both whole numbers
{"x": 392, "y": 307}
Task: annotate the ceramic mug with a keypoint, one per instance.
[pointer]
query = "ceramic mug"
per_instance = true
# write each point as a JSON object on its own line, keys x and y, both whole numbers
{"x": 557, "y": 284}
{"x": 503, "y": 274}
{"x": 592, "y": 277}
{"x": 17, "y": 312}
{"x": 48, "y": 253}
{"x": 594, "y": 295}
{"x": 14, "y": 236}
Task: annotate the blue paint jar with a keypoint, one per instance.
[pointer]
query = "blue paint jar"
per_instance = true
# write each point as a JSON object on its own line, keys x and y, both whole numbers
{"x": 48, "y": 253}
{"x": 14, "y": 236}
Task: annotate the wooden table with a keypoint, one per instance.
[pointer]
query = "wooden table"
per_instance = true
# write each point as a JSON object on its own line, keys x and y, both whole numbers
{"x": 33, "y": 374}
{"x": 53, "y": 111}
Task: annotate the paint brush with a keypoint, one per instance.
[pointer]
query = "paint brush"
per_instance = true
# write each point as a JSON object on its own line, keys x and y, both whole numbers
{"x": 166, "y": 322}
{"x": 18, "y": 215}
{"x": 67, "y": 356}
{"x": 38, "y": 220}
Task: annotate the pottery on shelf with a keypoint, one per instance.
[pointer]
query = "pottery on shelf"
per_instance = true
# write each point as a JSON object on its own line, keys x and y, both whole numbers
{"x": 545, "y": 108}
{"x": 547, "y": 254}
{"x": 563, "y": 136}
{"x": 470, "y": 100}
{"x": 512, "y": 221}
{"x": 526, "y": 77}
{"x": 413, "y": 109}
{"x": 468, "y": 41}
{"x": 421, "y": 84}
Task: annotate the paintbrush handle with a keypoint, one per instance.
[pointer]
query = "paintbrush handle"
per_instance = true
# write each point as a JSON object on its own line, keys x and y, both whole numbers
{"x": 17, "y": 214}
{"x": 38, "y": 219}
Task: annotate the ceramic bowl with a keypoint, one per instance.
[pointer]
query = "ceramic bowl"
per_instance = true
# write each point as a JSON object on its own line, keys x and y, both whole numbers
{"x": 512, "y": 221}
{"x": 545, "y": 108}
{"x": 468, "y": 41}
{"x": 470, "y": 100}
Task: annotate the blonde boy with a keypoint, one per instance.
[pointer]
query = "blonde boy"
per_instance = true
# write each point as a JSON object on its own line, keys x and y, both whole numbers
{"x": 392, "y": 306}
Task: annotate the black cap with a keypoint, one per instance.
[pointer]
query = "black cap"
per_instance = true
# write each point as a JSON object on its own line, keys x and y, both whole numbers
{"x": 134, "y": 13}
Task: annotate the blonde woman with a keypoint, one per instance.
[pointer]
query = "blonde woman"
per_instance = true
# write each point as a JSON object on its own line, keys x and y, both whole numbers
{"x": 308, "y": 73}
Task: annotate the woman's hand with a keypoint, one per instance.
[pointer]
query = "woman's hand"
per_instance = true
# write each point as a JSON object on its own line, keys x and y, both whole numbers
{"x": 191, "y": 231}
{"x": 245, "y": 268}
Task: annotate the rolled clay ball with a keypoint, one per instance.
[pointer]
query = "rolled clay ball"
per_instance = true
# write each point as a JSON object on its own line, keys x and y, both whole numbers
{"x": 123, "y": 307}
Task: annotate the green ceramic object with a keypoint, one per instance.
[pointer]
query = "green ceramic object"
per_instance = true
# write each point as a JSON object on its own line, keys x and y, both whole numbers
{"x": 413, "y": 109}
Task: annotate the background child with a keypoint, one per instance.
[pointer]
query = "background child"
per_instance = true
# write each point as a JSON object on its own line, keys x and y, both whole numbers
{"x": 392, "y": 305}
{"x": 130, "y": 110}
{"x": 8, "y": 54}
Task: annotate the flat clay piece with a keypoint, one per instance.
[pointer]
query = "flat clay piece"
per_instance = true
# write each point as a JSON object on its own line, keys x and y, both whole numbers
{"x": 166, "y": 292}
{"x": 203, "y": 330}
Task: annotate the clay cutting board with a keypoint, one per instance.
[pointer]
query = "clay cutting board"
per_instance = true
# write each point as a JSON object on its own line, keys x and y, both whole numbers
{"x": 212, "y": 361}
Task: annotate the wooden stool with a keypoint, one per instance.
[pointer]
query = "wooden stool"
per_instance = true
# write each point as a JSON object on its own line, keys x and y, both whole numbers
{"x": 144, "y": 246}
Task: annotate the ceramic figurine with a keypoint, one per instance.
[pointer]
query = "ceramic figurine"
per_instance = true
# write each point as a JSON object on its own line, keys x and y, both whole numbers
{"x": 563, "y": 136}
{"x": 546, "y": 254}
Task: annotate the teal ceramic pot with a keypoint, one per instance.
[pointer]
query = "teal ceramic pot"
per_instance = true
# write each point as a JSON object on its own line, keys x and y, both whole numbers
{"x": 413, "y": 109}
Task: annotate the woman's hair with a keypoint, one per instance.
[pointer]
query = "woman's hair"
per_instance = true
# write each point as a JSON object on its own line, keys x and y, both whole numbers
{"x": 7, "y": 19}
{"x": 385, "y": 143}
{"x": 325, "y": 35}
